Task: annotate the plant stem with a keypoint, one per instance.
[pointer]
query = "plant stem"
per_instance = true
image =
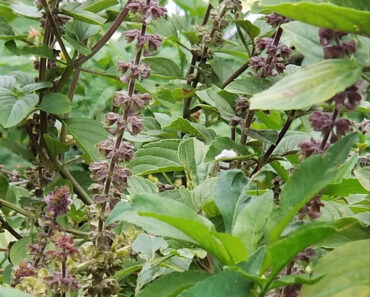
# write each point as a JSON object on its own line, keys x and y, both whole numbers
{"x": 100, "y": 73}
{"x": 55, "y": 29}
{"x": 77, "y": 233}
{"x": 131, "y": 89}
{"x": 186, "y": 109}
{"x": 235, "y": 75}
{"x": 71, "y": 93}
{"x": 15, "y": 208}
{"x": 5, "y": 225}
{"x": 271, "y": 149}
{"x": 117, "y": 22}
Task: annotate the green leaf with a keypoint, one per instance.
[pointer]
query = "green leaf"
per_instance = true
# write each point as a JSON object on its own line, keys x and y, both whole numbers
{"x": 250, "y": 222}
{"x": 306, "y": 181}
{"x": 124, "y": 212}
{"x": 10, "y": 292}
{"x": 324, "y": 15}
{"x": 282, "y": 251}
{"x": 4, "y": 185}
{"x": 19, "y": 250}
{"x": 248, "y": 85}
{"x": 7, "y": 82}
{"x": 56, "y": 103}
{"x": 26, "y": 11}
{"x": 163, "y": 66}
{"x": 30, "y": 88}
{"x": 5, "y": 28}
{"x": 222, "y": 100}
{"x": 84, "y": 16}
{"x": 346, "y": 271}
{"x": 54, "y": 145}
{"x": 225, "y": 283}
{"x": 188, "y": 127}
{"x": 147, "y": 245}
{"x": 345, "y": 188}
{"x": 363, "y": 176}
{"x": 224, "y": 143}
{"x": 159, "y": 156}
{"x": 305, "y": 38}
{"x": 267, "y": 136}
{"x": 18, "y": 149}
{"x": 226, "y": 248}
{"x": 140, "y": 185}
{"x": 13, "y": 109}
{"x": 230, "y": 195}
{"x": 252, "y": 30}
{"x": 100, "y": 5}
{"x": 287, "y": 280}
{"x": 310, "y": 85}
{"x": 39, "y": 51}
{"x": 191, "y": 153}
{"x": 87, "y": 134}
{"x": 23, "y": 78}
{"x": 172, "y": 284}
{"x": 76, "y": 44}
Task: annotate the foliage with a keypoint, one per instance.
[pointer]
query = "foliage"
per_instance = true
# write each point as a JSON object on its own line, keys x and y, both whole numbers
{"x": 219, "y": 151}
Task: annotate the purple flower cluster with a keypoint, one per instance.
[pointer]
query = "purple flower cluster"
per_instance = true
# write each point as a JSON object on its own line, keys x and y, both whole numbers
{"x": 276, "y": 20}
{"x": 334, "y": 48}
{"x": 58, "y": 201}
{"x": 23, "y": 269}
{"x": 312, "y": 208}
{"x": 109, "y": 175}
{"x": 276, "y": 55}
{"x": 59, "y": 283}
{"x": 148, "y": 11}
{"x": 329, "y": 125}
{"x": 350, "y": 98}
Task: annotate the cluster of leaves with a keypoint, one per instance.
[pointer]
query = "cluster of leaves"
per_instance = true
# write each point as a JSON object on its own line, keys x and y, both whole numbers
{"x": 229, "y": 158}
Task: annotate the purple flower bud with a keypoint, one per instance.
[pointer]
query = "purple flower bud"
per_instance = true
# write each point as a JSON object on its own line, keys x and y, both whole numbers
{"x": 306, "y": 255}
{"x": 65, "y": 243}
{"x": 154, "y": 12}
{"x": 154, "y": 41}
{"x": 140, "y": 100}
{"x": 321, "y": 121}
{"x": 234, "y": 5}
{"x": 96, "y": 188}
{"x": 58, "y": 201}
{"x": 285, "y": 51}
{"x": 235, "y": 121}
{"x": 257, "y": 62}
{"x": 125, "y": 152}
{"x": 23, "y": 269}
{"x": 148, "y": 12}
{"x": 107, "y": 147}
{"x": 123, "y": 67}
{"x": 119, "y": 178}
{"x": 342, "y": 126}
{"x": 268, "y": 44}
{"x": 112, "y": 117}
{"x": 121, "y": 98}
{"x": 131, "y": 35}
{"x": 135, "y": 124}
{"x": 58, "y": 283}
{"x": 328, "y": 35}
{"x": 311, "y": 147}
{"x": 241, "y": 104}
{"x": 312, "y": 208}
{"x": 275, "y": 19}
{"x": 99, "y": 171}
